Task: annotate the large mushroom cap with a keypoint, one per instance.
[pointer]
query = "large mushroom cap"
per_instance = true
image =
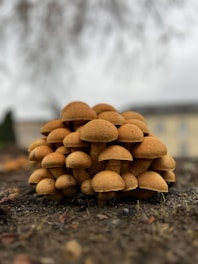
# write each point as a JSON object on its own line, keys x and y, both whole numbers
{"x": 107, "y": 181}
{"x": 150, "y": 148}
{"x": 153, "y": 181}
{"x": 115, "y": 152}
{"x": 99, "y": 130}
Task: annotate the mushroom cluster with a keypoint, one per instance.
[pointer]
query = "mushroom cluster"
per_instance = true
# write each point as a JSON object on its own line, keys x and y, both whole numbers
{"x": 100, "y": 152}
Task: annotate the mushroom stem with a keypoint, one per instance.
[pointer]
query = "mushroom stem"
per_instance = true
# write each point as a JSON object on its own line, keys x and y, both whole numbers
{"x": 96, "y": 148}
{"x": 103, "y": 197}
{"x": 114, "y": 165}
{"x": 80, "y": 174}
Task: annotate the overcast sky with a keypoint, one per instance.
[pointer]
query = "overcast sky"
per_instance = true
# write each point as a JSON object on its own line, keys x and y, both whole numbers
{"x": 174, "y": 81}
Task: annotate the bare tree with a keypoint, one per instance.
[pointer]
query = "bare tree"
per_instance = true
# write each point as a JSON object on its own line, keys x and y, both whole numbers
{"x": 50, "y": 36}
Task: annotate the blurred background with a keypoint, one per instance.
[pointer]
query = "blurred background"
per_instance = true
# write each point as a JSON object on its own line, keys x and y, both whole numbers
{"x": 136, "y": 55}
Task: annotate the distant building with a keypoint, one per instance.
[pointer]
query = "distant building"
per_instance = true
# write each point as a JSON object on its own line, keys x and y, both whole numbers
{"x": 174, "y": 124}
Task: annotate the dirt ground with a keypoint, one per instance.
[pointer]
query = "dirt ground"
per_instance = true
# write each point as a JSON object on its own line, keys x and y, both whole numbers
{"x": 161, "y": 230}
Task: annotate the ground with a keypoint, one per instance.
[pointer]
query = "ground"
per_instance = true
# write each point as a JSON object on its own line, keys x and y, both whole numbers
{"x": 161, "y": 230}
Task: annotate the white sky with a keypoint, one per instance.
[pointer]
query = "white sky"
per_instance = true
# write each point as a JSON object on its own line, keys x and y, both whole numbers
{"x": 176, "y": 81}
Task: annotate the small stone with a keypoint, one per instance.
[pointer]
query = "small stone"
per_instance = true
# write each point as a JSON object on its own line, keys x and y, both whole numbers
{"x": 72, "y": 250}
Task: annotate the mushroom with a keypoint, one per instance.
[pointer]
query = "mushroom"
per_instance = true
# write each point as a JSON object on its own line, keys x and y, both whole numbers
{"x": 139, "y": 123}
{"x": 76, "y": 114}
{"x": 55, "y": 162}
{"x": 112, "y": 116}
{"x": 39, "y": 152}
{"x": 86, "y": 187}
{"x": 169, "y": 176}
{"x": 98, "y": 132}
{"x": 79, "y": 161}
{"x": 114, "y": 155}
{"x": 140, "y": 165}
{"x": 128, "y": 134}
{"x": 65, "y": 181}
{"x": 153, "y": 181}
{"x": 134, "y": 115}
{"x": 51, "y": 125}
{"x": 73, "y": 142}
{"x": 47, "y": 187}
{"x": 130, "y": 181}
{"x": 103, "y": 107}
{"x": 57, "y": 135}
{"x": 150, "y": 148}
{"x": 163, "y": 163}
{"x": 38, "y": 175}
{"x": 37, "y": 142}
{"x": 105, "y": 184}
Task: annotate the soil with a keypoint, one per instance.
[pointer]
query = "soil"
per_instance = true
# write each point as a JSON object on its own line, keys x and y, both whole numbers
{"x": 161, "y": 230}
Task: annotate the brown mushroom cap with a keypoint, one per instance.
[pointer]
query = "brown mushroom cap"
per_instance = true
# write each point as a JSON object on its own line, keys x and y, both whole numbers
{"x": 53, "y": 160}
{"x": 39, "y": 152}
{"x": 51, "y": 125}
{"x": 64, "y": 181}
{"x": 130, "y": 133}
{"x": 78, "y": 159}
{"x": 46, "y": 186}
{"x": 86, "y": 187}
{"x": 130, "y": 181}
{"x": 169, "y": 176}
{"x": 38, "y": 175}
{"x": 164, "y": 163}
{"x": 134, "y": 115}
{"x": 150, "y": 148}
{"x": 107, "y": 181}
{"x": 57, "y": 135}
{"x": 112, "y": 116}
{"x": 115, "y": 152}
{"x": 99, "y": 130}
{"x": 139, "y": 123}
{"x": 37, "y": 142}
{"x": 73, "y": 140}
{"x": 77, "y": 111}
{"x": 102, "y": 107}
{"x": 153, "y": 181}
{"x": 62, "y": 149}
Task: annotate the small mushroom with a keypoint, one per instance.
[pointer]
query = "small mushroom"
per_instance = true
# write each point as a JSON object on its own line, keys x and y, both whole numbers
{"x": 139, "y": 123}
{"x": 114, "y": 155}
{"x": 38, "y": 175}
{"x": 57, "y": 135}
{"x": 51, "y": 125}
{"x": 103, "y": 107}
{"x": 73, "y": 142}
{"x": 163, "y": 163}
{"x": 86, "y": 187}
{"x": 55, "y": 162}
{"x": 134, "y": 115}
{"x": 98, "y": 132}
{"x": 105, "y": 184}
{"x": 130, "y": 181}
{"x": 112, "y": 116}
{"x": 64, "y": 181}
{"x": 37, "y": 142}
{"x": 39, "y": 152}
{"x": 79, "y": 161}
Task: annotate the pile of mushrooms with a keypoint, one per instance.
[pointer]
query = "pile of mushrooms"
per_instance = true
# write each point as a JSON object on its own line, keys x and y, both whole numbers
{"x": 101, "y": 153}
